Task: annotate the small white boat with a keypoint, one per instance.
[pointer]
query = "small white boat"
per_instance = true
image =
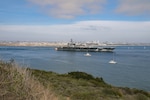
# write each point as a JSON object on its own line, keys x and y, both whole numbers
{"x": 112, "y": 62}
{"x": 87, "y": 54}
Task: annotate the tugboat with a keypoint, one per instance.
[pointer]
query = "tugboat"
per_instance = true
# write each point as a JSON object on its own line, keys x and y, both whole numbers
{"x": 82, "y": 48}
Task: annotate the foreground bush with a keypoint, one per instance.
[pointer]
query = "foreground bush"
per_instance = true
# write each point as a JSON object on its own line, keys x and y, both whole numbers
{"x": 16, "y": 83}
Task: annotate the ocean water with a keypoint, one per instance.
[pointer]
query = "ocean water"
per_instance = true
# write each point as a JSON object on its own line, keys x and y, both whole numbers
{"x": 132, "y": 68}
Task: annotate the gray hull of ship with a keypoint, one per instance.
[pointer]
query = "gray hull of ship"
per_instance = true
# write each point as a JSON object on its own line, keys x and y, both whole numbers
{"x": 85, "y": 49}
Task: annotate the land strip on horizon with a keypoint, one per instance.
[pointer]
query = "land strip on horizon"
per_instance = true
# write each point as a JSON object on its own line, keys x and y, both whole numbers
{"x": 54, "y": 44}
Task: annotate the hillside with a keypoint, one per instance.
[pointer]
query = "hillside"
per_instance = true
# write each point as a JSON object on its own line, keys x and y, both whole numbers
{"x": 31, "y": 84}
{"x": 17, "y": 83}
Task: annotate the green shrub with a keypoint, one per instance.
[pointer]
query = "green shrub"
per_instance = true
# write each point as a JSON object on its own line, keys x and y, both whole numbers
{"x": 112, "y": 92}
{"x": 80, "y": 75}
{"x": 136, "y": 91}
{"x": 141, "y": 97}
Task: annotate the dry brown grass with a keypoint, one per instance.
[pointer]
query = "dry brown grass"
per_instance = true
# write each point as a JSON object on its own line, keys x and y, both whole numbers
{"x": 17, "y": 83}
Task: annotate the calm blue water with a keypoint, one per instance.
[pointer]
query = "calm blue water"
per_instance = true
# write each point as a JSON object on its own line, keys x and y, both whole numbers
{"x": 132, "y": 69}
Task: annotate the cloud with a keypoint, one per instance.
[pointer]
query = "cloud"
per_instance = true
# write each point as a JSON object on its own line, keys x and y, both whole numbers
{"x": 69, "y": 8}
{"x": 113, "y": 31}
{"x": 133, "y": 7}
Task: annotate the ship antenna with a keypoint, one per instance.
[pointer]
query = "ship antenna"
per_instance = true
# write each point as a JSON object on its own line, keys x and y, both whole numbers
{"x": 71, "y": 41}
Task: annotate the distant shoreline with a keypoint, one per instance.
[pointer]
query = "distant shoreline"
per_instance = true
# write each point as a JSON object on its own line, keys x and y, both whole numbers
{"x": 55, "y": 44}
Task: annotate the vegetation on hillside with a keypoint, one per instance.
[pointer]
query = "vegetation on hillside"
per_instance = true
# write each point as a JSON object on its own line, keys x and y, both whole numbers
{"x": 31, "y": 84}
{"x": 17, "y": 83}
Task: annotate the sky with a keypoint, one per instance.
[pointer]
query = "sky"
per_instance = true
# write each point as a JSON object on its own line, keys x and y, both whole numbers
{"x": 80, "y": 20}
